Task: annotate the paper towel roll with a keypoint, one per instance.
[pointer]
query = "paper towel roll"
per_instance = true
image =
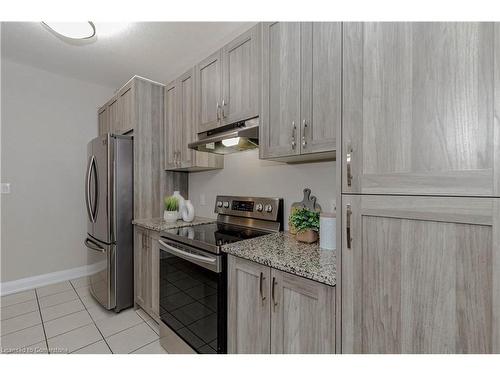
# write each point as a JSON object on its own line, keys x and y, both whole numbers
{"x": 327, "y": 231}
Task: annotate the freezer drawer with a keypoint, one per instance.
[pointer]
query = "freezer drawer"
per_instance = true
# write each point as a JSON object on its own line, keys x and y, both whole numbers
{"x": 103, "y": 280}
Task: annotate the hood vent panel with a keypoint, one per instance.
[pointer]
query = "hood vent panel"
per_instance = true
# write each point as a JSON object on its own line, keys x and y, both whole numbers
{"x": 237, "y": 137}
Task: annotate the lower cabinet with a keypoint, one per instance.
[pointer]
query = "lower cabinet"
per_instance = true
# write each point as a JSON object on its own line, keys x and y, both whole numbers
{"x": 146, "y": 271}
{"x": 271, "y": 311}
{"x": 420, "y": 274}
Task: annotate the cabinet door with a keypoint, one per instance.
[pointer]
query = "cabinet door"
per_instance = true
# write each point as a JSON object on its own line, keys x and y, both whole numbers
{"x": 280, "y": 121}
{"x": 142, "y": 265}
{"x": 302, "y": 315}
{"x": 420, "y": 274}
{"x": 321, "y": 86}
{"x": 186, "y": 126}
{"x": 126, "y": 108}
{"x": 248, "y": 307}
{"x": 241, "y": 81}
{"x": 155, "y": 275}
{"x": 208, "y": 91}
{"x": 419, "y": 109}
{"x": 114, "y": 120}
{"x": 171, "y": 133}
{"x": 103, "y": 121}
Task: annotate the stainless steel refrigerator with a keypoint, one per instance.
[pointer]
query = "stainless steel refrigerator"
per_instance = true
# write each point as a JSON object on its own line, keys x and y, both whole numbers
{"x": 109, "y": 200}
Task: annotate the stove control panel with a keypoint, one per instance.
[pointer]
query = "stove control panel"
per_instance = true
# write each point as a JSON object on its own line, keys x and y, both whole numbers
{"x": 250, "y": 207}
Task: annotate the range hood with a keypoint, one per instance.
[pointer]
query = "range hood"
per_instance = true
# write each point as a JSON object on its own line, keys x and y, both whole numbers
{"x": 236, "y": 137}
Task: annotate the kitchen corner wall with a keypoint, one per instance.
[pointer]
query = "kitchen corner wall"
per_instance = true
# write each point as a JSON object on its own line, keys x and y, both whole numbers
{"x": 245, "y": 174}
{"x": 47, "y": 120}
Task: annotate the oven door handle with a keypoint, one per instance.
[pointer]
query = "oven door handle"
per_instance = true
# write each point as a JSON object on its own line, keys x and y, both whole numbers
{"x": 188, "y": 255}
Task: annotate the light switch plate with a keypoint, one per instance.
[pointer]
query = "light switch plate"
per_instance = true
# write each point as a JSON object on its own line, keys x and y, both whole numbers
{"x": 5, "y": 188}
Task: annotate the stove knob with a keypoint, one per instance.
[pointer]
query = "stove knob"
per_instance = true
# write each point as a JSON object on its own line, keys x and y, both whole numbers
{"x": 226, "y": 204}
{"x": 268, "y": 208}
{"x": 259, "y": 207}
{"x": 219, "y": 204}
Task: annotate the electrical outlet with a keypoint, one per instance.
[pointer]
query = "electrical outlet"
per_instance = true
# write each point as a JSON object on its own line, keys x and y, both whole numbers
{"x": 5, "y": 188}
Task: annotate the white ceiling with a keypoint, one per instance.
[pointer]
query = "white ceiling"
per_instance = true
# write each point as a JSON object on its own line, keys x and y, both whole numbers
{"x": 157, "y": 50}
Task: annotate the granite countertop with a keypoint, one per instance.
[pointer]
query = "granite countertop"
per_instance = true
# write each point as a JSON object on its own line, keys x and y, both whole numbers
{"x": 159, "y": 225}
{"x": 283, "y": 252}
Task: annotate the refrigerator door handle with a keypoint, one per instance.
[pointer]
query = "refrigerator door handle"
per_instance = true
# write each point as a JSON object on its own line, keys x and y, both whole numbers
{"x": 96, "y": 184}
{"x": 87, "y": 189}
{"x": 93, "y": 246}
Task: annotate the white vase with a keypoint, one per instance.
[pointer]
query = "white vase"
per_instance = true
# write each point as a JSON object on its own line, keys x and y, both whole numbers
{"x": 188, "y": 212}
{"x": 181, "y": 200}
{"x": 170, "y": 216}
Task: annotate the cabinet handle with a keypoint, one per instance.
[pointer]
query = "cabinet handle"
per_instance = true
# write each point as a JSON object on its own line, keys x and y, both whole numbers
{"x": 304, "y": 126}
{"x": 348, "y": 225}
{"x": 223, "y": 105}
{"x": 348, "y": 165}
{"x": 294, "y": 131}
{"x": 272, "y": 292}
{"x": 261, "y": 279}
{"x": 218, "y": 115}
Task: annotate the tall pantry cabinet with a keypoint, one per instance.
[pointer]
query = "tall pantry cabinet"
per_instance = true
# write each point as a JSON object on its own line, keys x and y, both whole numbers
{"x": 420, "y": 180}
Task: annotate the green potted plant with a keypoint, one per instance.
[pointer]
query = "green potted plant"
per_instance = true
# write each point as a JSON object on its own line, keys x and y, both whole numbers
{"x": 171, "y": 204}
{"x": 306, "y": 223}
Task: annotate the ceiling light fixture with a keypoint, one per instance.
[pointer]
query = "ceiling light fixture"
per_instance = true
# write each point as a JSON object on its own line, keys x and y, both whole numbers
{"x": 72, "y": 30}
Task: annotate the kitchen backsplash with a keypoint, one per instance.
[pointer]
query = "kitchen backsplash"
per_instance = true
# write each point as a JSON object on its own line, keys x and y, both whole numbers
{"x": 245, "y": 174}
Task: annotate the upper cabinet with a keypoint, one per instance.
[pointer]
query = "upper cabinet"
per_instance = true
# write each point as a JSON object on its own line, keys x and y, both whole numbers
{"x": 119, "y": 115}
{"x": 209, "y": 89}
{"x": 180, "y": 129}
{"x": 126, "y": 108}
{"x": 227, "y": 83}
{"x": 240, "y": 78}
{"x": 301, "y": 90}
{"x": 103, "y": 120}
{"x": 419, "y": 109}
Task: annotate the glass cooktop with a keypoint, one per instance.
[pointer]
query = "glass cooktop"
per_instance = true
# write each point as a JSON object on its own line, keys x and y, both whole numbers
{"x": 212, "y": 236}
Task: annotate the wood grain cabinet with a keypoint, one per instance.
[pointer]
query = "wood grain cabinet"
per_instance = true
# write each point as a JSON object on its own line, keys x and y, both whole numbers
{"x": 301, "y": 90}
{"x": 121, "y": 113}
{"x": 180, "y": 129}
{"x": 420, "y": 274}
{"x": 227, "y": 83}
{"x": 271, "y": 311}
{"x": 419, "y": 105}
{"x": 146, "y": 271}
{"x": 249, "y": 319}
{"x": 103, "y": 120}
{"x": 126, "y": 108}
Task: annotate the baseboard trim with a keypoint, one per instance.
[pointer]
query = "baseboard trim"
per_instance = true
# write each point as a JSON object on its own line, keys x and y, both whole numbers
{"x": 28, "y": 283}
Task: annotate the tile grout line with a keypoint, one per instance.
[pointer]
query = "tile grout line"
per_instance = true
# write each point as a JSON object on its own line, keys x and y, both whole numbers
{"x": 43, "y": 326}
{"x": 92, "y": 318}
{"x": 140, "y": 347}
{"x": 15, "y": 316}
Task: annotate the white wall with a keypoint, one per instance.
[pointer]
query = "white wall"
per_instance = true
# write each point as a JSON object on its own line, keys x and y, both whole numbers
{"x": 245, "y": 174}
{"x": 47, "y": 121}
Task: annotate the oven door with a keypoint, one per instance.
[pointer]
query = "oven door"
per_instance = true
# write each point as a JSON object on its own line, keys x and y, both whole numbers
{"x": 193, "y": 295}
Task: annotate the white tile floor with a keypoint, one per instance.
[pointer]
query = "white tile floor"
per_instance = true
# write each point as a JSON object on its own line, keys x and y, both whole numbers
{"x": 64, "y": 318}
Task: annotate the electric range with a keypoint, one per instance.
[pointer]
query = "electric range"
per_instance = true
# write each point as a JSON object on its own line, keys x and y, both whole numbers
{"x": 193, "y": 274}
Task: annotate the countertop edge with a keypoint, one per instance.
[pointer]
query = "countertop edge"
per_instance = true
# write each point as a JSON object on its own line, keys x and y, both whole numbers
{"x": 235, "y": 250}
{"x": 158, "y": 225}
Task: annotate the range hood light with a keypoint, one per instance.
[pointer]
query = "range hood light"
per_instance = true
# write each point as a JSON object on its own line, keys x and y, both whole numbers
{"x": 72, "y": 30}
{"x": 231, "y": 142}
{"x": 240, "y": 136}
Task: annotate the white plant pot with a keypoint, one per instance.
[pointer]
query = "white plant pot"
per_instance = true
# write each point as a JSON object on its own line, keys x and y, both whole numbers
{"x": 170, "y": 216}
